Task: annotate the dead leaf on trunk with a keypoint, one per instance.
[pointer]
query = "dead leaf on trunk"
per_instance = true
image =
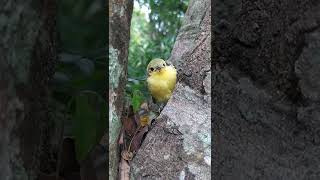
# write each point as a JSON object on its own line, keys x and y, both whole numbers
{"x": 138, "y": 138}
{"x": 124, "y": 170}
{"x": 137, "y": 118}
{"x": 127, "y": 155}
{"x": 129, "y": 125}
{"x": 144, "y": 120}
{"x": 121, "y": 139}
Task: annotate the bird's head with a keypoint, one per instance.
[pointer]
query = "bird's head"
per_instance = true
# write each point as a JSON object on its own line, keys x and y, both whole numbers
{"x": 156, "y": 65}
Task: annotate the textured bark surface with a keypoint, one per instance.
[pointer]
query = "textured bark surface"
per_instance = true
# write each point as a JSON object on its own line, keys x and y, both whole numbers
{"x": 179, "y": 145}
{"x": 120, "y": 13}
{"x": 266, "y": 89}
{"x": 28, "y": 54}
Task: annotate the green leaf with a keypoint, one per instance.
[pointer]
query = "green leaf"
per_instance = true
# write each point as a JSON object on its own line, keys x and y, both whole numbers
{"x": 89, "y": 122}
{"x": 137, "y": 99}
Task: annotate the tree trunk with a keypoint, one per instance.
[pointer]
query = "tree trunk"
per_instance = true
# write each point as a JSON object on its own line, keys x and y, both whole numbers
{"x": 266, "y": 90}
{"x": 28, "y": 55}
{"x": 179, "y": 145}
{"x": 120, "y": 13}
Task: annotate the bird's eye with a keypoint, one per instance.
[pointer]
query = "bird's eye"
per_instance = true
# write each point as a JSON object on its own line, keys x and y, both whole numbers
{"x": 151, "y": 69}
{"x": 164, "y": 65}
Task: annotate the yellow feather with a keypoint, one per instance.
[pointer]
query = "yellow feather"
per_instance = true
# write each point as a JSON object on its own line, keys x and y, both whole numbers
{"x": 162, "y": 83}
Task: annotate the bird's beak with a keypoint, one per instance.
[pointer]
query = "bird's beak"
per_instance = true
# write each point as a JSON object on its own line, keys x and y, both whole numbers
{"x": 158, "y": 68}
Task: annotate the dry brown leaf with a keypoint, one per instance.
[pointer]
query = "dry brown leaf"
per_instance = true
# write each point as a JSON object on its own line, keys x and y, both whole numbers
{"x": 121, "y": 141}
{"x": 138, "y": 138}
{"x": 127, "y": 155}
{"x": 124, "y": 170}
{"x": 137, "y": 118}
{"x": 144, "y": 120}
{"x": 129, "y": 125}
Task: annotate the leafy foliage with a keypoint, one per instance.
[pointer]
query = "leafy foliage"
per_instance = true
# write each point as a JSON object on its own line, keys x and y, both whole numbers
{"x": 136, "y": 100}
{"x": 151, "y": 37}
{"x": 89, "y": 121}
{"x": 80, "y": 78}
{"x": 82, "y": 25}
{"x": 165, "y": 17}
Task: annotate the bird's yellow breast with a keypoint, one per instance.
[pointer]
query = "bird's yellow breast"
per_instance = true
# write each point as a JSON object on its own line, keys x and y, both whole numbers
{"x": 162, "y": 83}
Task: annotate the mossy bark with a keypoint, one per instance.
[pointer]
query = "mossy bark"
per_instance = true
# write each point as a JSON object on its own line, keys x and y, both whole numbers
{"x": 28, "y": 54}
{"x": 120, "y": 13}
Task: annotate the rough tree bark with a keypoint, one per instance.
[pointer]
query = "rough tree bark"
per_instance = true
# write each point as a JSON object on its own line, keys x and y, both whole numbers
{"x": 179, "y": 145}
{"x": 266, "y": 89}
{"x": 28, "y": 54}
{"x": 120, "y": 13}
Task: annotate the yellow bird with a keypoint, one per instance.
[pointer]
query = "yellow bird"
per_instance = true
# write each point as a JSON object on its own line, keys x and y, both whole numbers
{"x": 161, "y": 79}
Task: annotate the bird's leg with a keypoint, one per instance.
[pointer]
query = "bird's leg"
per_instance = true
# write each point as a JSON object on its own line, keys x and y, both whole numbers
{"x": 161, "y": 106}
{"x": 152, "y": 105}
{"x": 156, "y": 107}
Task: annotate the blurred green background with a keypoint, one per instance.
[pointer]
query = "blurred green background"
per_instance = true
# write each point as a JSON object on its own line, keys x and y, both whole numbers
{"x": 83, "y": 48}
{"x": 80, "y": 79}
{"x": 154, "y": 27}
